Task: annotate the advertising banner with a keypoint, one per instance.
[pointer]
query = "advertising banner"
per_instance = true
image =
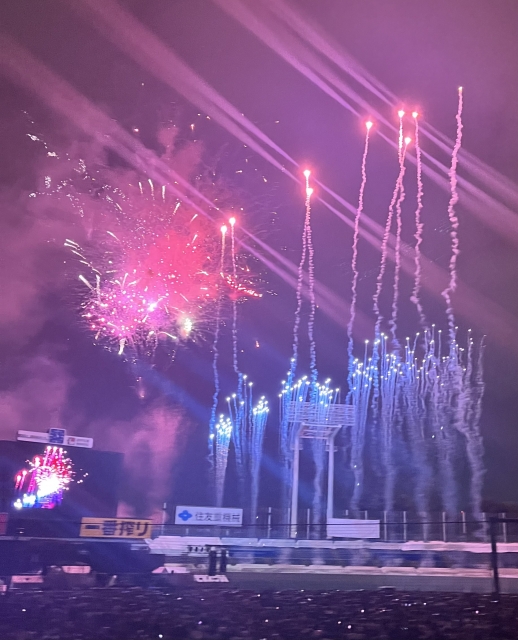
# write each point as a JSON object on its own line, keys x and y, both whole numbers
{"x": 35, "y": 579}
{"x": 33, "y": 436}
{"x": 208, "y": 516}
{"x": 55, "y": 436}
{"x": 115, "y": 528}
{"x": 79, "y": 441}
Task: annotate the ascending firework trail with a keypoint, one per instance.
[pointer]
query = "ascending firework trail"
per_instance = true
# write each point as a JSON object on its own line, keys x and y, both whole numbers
{"x": 375, "y": 366}
{"x": 418, "y": 225}
{"x": 354, "y": 261}
{"x": 215, "y": 357}
{"x": 232, "y": 223}
{"x": 386, "y": 234}
{"x": 401, "y": 115}
{"x": 397, "y": 251}
{"x": 426, "y": 398}
{"x": 454, "y": 221}
{"x": 318, "y": 444}
{"x": 358, "y": 399}
{"x": 467, "y": 383}
{"x": 222, "y": 440}
{"x": 311, "y": 283}
{"x": 455, "y": 397}
{"x": 286, "y": 431}
{"x": 239, "y": 417}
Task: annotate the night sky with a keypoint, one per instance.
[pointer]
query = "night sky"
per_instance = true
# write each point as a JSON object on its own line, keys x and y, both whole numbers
{"x": 118, "y": 63}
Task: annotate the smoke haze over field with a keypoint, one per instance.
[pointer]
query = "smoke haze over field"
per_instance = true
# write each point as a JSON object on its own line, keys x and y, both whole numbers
{"x": 245, "y": 89}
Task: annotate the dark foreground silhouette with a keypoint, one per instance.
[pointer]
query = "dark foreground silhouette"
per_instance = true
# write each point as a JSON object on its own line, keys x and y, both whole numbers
{"x": 222, "y": 614}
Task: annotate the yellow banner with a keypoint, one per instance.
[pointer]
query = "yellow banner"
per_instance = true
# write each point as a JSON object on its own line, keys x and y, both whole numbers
{"x": 115, "y": 528}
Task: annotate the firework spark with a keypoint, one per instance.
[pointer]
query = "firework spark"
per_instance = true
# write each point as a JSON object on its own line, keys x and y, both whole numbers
{"x": 153, "y": 275}
{"x": 43, "y": 484}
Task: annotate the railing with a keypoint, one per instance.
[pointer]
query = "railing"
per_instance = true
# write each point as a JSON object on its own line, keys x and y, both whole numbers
{"x": 272, "y": 523}
{"x": 397, "y": 526}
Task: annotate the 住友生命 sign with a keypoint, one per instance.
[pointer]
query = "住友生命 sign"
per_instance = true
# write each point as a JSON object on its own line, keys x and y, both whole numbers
{"x": 115, "y": 528}
{"x": 208, "y": 516}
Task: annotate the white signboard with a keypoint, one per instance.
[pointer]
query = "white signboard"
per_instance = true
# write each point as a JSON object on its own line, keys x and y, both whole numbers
{"x": 208, "y": 516}
{"x": 346, "y": 528}
{"x": 45, "y": 438}
{"x": 36, "y": 579}
{"x": 79, "y": 441}
{"x": 32, "y": 436}
{"x": 77, "y": 568}
{"x": 205, "y": 578}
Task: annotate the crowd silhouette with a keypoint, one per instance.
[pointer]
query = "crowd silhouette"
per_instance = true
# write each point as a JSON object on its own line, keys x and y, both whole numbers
{"x": 216, "y": 613}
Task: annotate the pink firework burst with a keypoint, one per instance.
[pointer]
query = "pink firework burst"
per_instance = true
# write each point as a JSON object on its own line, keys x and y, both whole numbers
{"x": 153, "y": 275}
{"x": 43, "y": 484}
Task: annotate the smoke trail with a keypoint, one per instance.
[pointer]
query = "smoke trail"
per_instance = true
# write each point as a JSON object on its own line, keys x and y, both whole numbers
{"x": 434, "y": 402}
{"x": 317, "y": 394}
{"x": 286, "y": 430}
{"x": 390, "y": 374}
{"x": 381, "y": 273}
{"x": 241, "y": 409}
{"x": 215, "y": 350}
{"x": 415, "y": 298}
{"x": 470, "y": 402}
{"x": 318, "y": 448}
{"x": 354, "y": 260}
{"x": 240, "y": 418}
{"x": 223, "y": 433}
{"x": 414, "y": 409}
{"x": 476, "y": 443}
{"x": 235, "y": 410}
{"x": 454, "y": 221}
{"x": 258, "y": 425}
{"x": 361, "y": 389}
{"x": 383, "y": 263}
{"x": 397, "y": 268}
{"x": 247, "y": 436}
{"x": 452, "y": 390}
{"x": 232, "y": 222}
{"x": 321, "y": 398}
{"x": 356, "y": 394}
{"x": 244, "y": 442}
{"x": 443, "y": 407}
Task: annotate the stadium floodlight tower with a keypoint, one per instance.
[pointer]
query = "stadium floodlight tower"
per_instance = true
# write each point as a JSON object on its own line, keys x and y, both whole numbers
{"x": 322, "y": 419}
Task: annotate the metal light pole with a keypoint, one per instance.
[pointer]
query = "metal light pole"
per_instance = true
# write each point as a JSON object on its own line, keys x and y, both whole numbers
{"x": 312, "y": 422}
{"x": 295, "y": 487}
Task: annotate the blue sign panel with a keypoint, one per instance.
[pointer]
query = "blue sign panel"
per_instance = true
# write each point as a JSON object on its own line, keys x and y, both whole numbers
{"x": 57, "y": 436}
